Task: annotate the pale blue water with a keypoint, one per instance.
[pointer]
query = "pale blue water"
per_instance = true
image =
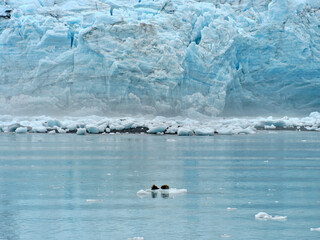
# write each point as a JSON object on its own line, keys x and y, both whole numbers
{"x": 47, "y": 180}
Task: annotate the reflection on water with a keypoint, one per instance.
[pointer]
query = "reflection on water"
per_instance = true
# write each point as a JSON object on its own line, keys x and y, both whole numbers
{"x": 85, "y": 187}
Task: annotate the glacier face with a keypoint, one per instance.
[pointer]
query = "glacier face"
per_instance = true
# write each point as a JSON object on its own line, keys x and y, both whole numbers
{"x": 165, "y": 57}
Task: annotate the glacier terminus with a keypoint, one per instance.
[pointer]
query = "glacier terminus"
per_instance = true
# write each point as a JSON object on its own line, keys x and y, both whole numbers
{"x": 166, "y": 57}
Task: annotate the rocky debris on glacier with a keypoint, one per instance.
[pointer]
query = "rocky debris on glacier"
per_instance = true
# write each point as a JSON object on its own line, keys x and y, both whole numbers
{"x": 158, "y": 125}
{"x": 165, "y": 57}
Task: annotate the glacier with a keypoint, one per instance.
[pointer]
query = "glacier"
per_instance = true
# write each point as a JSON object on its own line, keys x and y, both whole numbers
{"x": 166, "y": 57}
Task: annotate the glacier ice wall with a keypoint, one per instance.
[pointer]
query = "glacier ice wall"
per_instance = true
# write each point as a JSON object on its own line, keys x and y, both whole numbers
{"x": 165, "y": 57}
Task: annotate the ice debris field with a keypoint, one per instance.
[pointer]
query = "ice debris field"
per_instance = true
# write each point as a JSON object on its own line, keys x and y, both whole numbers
{"x": 165, "y": 57}
{"x": 157, "y": 125}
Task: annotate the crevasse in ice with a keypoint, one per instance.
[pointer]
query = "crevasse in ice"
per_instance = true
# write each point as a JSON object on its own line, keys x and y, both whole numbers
{"x": 165, "y": 57}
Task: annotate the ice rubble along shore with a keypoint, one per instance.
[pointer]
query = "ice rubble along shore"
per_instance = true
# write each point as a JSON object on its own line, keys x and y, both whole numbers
{"x": 158, "y": 125}
{"x": 165, "y": 57}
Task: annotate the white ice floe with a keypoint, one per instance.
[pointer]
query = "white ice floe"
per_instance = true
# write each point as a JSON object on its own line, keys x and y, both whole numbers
{"x": 185, "y": 131}
{"x": 204, "y": 131}
{"x": 171, "y": 140}
{"x": 229, "y": 209}
{"x": 315, "y": 229}
{"x": 157, "y": 129}
{"x": 93, "y": 129}
{"x": 225, "y": 236}
{"x": 270, "y": 127}
{"x": 81, "y": 131}
{"x": 93, "y": 200}
{"x": 21, "y": 130}
{"x": 171, "y": 191}
{"x": 53, "y": 123}
{"x": 265, "y": 217}
{"x": 136, "y": 238}
{"x": 157, "y": 125}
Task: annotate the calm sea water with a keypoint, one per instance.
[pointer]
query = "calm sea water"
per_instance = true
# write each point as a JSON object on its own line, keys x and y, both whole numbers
{"x": 85, "y": 187}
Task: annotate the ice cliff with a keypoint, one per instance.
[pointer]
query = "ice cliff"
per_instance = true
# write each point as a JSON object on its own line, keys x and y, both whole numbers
{"x": 164, "y": 57}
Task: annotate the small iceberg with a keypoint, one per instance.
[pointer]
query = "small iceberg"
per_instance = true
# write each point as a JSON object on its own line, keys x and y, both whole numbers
{"x": 21, "y": 130}
{"x": 93, "y": 200}
{"x": 225, "y": 236}
{"x": 229, "y": 209}
{"x": 315, "y": 229}
{"x": 265, "y": 217}
{"x": 81, "y": 131}
{"x": 165, "y": 193}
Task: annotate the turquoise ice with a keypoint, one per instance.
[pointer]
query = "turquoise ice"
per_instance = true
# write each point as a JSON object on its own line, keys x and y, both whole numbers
{"x": 161, "y": 57}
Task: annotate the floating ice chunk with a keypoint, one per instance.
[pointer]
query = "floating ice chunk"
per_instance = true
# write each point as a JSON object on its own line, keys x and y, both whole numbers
{"x": 93, "y": 200}
{"x": 265, "y": 217}
{"x": 14, "y": 127}
{"x": 170, "y": 140}
{"x": 81, "y": 131}
{"x": 157, "y": 129}
{"x": 225, "y": 236}
{"x": 21, "y": 130}
{"x": 204, "y": 132}
{"x": 53, "y": 123}
{"x": 247, "y": 130}
{"x": 172, "y": 130}
{"x": 184, "y": 132}
{"x": 174, "y": 190}
{"x": 143, "y": 192}
{"x": 60, "y": 130}
{"x": 52, "y": 132}
{"x": 72, "y": 127}
{"x": 136, "y": 238}
{"x": 39, "y": 129}
{"x": 270, "y": 127}
{"x": 229, "y": 209}
{"x": 315, "y": 229}
{"x": 225, "y": 131}
{"x": 92, "y": 129}
{"x": 119, "y": 127}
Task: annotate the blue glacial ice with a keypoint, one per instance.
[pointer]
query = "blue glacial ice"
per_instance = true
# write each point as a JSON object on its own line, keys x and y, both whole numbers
{"x": 165, "y": 57}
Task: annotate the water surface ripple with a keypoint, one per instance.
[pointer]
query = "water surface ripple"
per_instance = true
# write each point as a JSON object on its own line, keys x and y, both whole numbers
{"x": 85, "y": 187}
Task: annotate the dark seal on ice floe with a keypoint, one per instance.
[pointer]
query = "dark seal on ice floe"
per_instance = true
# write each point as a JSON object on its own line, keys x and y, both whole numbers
{"x": 154, "y": 187}
{"x": 164, "y": 187}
